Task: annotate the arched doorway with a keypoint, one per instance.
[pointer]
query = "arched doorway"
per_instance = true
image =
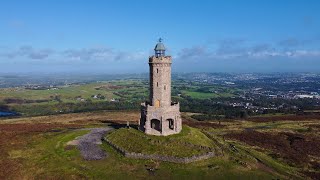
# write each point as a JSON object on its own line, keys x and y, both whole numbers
{"x": 155, "y": 124}
{"x": 171, "y": 123}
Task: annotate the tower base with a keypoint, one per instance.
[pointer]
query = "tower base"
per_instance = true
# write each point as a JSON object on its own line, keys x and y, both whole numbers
{"x": 160, "y": 121}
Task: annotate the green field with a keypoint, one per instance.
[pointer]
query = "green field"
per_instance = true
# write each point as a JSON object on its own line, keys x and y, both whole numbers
{"x": 66, "y": 93}
{"x": 98, "y": 96}
{"x": 202, "y": 95}
{"x": 200, "y": 91}
{"x": 129, "y": 90}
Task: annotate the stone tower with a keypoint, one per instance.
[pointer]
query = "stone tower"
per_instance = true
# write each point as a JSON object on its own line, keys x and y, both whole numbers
{"x": 160, "y": 116}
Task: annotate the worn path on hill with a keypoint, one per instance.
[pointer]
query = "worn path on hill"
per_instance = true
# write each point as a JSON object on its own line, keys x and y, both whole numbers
{"x": 88, "y": 144}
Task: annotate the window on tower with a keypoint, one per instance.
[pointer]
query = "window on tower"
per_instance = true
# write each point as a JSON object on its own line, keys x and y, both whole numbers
{"x": 157, "y": 84}
{"x": 157, "y": 70}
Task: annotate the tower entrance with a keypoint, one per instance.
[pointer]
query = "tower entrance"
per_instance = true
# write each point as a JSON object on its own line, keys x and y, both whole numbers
{"x": 155, "y": 124}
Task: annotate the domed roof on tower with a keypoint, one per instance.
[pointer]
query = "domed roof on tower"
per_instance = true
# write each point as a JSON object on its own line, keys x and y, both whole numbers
{"x": 159, "y": 49}
{"x": 160, "y": 46}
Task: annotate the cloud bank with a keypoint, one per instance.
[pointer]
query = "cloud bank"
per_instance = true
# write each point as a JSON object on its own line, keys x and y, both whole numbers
{"x": 225, "y": 55}
{"x": 238, "y": 48}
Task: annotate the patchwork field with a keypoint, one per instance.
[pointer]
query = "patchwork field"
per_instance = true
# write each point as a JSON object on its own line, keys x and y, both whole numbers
{"x": 66, "y": 93}
{"x": 81, "y": 97}
{"x": 36, "y": 147}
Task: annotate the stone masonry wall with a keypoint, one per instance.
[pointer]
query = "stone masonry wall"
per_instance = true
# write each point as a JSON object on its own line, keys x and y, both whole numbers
{"x": 160, "y": 80}
{"x": 159, "y": 157}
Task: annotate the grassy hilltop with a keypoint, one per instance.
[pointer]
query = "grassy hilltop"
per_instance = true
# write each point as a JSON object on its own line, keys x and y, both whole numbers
{"x": 37, "y": 147}
{"x": 186, "y": 144}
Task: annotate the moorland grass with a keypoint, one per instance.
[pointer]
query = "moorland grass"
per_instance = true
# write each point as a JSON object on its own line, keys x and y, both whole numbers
{"x": 49, "y": 157}
{"x": 185, "y": 144}
{"x": 46, "y": 156}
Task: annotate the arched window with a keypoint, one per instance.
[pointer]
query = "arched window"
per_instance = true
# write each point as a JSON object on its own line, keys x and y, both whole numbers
{"x": 165, "y": 87}
{"x": 155, "y": 124}
{"x": 157, "y": 103}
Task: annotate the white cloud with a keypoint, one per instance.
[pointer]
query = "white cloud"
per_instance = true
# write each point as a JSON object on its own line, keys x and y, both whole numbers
{"x": 99, "y": 54}
{"x": 238, "y": 49}
{"x": 27, "y": 51}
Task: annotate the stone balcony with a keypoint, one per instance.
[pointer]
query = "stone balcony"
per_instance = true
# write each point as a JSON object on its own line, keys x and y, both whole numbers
{"x": 175, "y": 106}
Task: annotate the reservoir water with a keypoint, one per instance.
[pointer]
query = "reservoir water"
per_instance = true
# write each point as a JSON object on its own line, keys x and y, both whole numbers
{"x": 4, "y": 114}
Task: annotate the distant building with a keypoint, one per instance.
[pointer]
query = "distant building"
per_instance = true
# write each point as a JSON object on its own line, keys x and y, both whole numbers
{"x": 160, "y": 116}
{"x": 304, "y": 96}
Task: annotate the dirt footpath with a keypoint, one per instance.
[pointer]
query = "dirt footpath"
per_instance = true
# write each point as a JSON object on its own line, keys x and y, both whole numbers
{"x": 89, "y": 144}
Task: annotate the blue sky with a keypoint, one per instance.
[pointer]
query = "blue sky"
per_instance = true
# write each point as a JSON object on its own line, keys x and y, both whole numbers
{"x": 112, "y": 36}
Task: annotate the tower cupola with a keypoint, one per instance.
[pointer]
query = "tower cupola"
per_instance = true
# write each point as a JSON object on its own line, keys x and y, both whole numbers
{"x": 159, "y": 49}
